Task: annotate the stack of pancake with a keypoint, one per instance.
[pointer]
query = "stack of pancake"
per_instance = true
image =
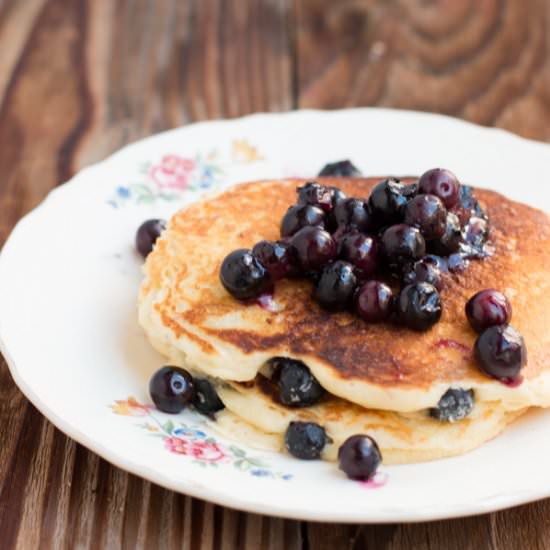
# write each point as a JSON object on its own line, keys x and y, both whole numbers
{"x": 381, "y": 379}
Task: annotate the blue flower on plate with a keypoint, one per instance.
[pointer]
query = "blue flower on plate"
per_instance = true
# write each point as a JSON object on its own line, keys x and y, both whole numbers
{"x": 260, "y": 472}
{"x": 123, "y": 192}
{"x": 188, "y": 432}
{"x": 287, "y": 477}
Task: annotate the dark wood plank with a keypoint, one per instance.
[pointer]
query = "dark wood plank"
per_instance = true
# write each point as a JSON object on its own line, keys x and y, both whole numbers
{"x": 484, "y": 60}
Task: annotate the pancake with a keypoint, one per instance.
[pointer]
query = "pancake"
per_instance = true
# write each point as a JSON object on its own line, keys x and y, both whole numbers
{"x": 190, "y": 318}
{"x": 252, "y": 416}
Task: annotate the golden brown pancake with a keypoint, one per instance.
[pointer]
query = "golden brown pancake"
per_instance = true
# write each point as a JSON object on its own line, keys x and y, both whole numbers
{"x": 190, "y": 317}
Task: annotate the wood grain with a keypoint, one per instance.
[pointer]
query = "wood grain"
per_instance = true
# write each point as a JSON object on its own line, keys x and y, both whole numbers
{"x": 78, "y": 79}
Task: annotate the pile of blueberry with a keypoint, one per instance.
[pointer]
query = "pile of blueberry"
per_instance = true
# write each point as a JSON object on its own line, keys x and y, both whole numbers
{"x": 382, "y": 256}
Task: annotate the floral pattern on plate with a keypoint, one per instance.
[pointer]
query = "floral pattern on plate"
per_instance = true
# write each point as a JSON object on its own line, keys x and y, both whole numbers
{"x": 173, "y": 174}
{"x": 193, "y": 442}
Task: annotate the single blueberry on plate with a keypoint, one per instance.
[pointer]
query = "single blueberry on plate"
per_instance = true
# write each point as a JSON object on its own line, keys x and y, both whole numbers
{"x": 147, "y": 234}
{"x": 171, "y": 389}
{"x": 359, "y": 457}
{"x": 343, "y": 168}
{"x": 206, "y": 400}
{"x": 305, "y": 440}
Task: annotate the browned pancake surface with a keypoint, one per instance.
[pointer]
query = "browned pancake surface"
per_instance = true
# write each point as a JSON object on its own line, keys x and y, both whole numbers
{"x": 382, "y": 354}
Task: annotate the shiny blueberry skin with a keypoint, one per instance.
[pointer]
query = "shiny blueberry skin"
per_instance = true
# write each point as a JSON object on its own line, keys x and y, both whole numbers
{"x": 316, "y": 195}
{"x": 441, "y": 183}
{"x": 297, "y": 386}
{"x": 206, "y": 400}
{"x": 402, "y": 243}
{"x": 428, "y": 213}
{"x": 374, "y": 301}
{"x": 305, "y": 440}
{"x": 276, "y": 256}
{"x": 314, "y": 248}
{"x": 344, "y": 168}
{"x": 500, "y": 352}
{"x": 359, "y": 457}
{"x": 352, "y": 213}
{"x": 419, "y": 306}
{"x": 361, "y": 251}
{"x": 388, "y": 199}
{"x": 299, "y": 216}
{"x": 243, "y": 276}
{"x": 337, "y": 195}
{"x": 335, "y": 288}
{"x": 488, "y": 308}
{"x": 425, "y": 270}
{"x": 456, "y": 404}
{"x": 451, "y": 240}
{"x": 147, "y": 234}
{"x": 171, "y": 389}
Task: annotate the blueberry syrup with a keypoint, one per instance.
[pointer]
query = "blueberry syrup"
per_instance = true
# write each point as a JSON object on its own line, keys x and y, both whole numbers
{"x": 513, "y": 382}
{"x": 448, "y": 343}
{"x": 379, "y": 480}
{"x": 267, "y": 301}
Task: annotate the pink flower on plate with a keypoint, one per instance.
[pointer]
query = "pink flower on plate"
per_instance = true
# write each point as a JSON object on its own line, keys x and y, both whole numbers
{"x": 173, "y": 172}
{"x": 204, "y": 451}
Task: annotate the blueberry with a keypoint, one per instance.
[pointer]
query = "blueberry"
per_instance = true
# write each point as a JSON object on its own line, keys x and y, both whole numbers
{"x": 297, "y": 386}
{"x": 299, "y": 216}
{"x": 456, "y": 404}
{"x": 344, "y": 168}
{"x": 428, "y": 213}
{"x": 452, "y": 238}
{"x": 277, "y": 257}
{"x": 359, "y": 457}
{"x": 374, "y": 301}
{"x": 388, "y": 199}
{"x": 305, "y": 440}
{"x": 334, "y": 289}
{"x": 352, "y": 213}
{"x": 441, "y": 183}
{"x": 419, "y": 306}
{"x": 337, "y": 195}
{"x": 488, "y": 308}
{"x": 243, "y": 276}
{"x": 147, "y": 234}
{"x": 425, "y": 270}
{"x": 361, "y": 251}
{"x": 316, "y": 195}
{"x": 500, "y": 352}
{"x": 171, "y": 389}
{"x": 313, "y": 247}
{"x": 402, "y": 243}
{"x": 206, "y": 400}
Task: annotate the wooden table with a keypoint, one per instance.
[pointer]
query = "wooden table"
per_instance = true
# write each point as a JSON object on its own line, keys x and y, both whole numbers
{"x": 79, "y": 79}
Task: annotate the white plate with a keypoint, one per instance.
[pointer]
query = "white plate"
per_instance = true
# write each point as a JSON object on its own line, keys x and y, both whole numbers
{"x": 68, "y": 282}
